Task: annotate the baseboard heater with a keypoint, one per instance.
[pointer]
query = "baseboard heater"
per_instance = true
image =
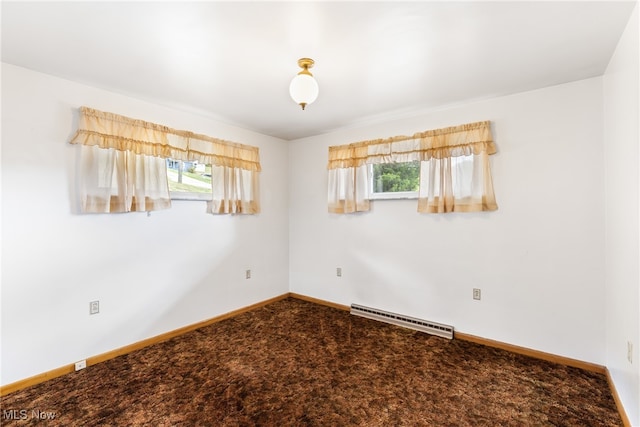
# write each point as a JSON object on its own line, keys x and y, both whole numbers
{"x": 429, "y": 327}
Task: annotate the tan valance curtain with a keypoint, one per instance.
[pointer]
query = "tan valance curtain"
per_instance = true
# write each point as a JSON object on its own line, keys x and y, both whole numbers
{"x": 389, "y": 150}
{"x": 108, "y": 130}
{"x": 143, "y": 143}
{"x": 446, "y": 184}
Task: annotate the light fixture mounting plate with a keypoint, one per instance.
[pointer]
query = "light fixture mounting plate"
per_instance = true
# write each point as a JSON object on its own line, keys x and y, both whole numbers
{"x": 305, "y": 63}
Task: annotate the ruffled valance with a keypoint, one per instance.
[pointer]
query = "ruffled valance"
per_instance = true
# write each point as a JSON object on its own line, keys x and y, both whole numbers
{"x": 455, "y": 141}
{"x": 108, "y": 130}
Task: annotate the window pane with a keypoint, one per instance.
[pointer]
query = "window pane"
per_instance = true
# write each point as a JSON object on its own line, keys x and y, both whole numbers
{"x": 188, "y": 177}
{"x": 396, "y": 177}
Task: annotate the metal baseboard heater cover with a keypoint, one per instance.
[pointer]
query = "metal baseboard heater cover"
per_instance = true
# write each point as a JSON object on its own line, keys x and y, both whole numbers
{"x": 427, "y": 326}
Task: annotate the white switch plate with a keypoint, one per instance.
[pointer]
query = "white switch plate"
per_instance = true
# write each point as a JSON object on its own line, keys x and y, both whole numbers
{"x": 477, "y": 293}
{"x": 339, "y": 271}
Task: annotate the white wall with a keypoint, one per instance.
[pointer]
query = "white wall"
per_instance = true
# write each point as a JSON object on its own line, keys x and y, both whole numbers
{"x": 538, "y": 259}
{"x": 151, "y": 274}
{"x": 622, "y": 160}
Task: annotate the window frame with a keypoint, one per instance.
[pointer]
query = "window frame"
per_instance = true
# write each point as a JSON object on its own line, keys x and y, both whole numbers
{"x": 389, "y": 195}
{"x": 188, "y": 195}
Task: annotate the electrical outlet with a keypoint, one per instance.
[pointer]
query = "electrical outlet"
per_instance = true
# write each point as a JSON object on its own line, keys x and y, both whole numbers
{"x": 247, "y": 274}
{"x": 630, "y": 351}
{"x": 477, "y": 293}
{"x": 339, "y": 272}
{"x": 81, "y": 365}
{"x": 94, "y": 307}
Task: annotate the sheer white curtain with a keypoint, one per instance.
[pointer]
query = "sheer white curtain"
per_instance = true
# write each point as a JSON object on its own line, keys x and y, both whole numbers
{"x": 456, "y": 184}
{"x": 235, "y": 191}
{"x": 121, "y": 181}
{"x": 349, "y": 189}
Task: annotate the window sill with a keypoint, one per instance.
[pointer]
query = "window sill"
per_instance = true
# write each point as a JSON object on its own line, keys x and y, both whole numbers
{"x": 177, "y": 195}
{"x": 406, "y": 195}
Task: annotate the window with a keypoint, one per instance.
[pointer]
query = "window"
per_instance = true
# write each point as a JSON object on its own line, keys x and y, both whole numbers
{"x": 395, "y": 180}
{"x": 189, "y": 180}
{"x": 448, "y": 167}
{"x": 143, "y": 154}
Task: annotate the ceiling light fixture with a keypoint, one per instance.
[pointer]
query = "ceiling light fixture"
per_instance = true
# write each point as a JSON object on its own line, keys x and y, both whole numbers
{"x": 304, "y": 88}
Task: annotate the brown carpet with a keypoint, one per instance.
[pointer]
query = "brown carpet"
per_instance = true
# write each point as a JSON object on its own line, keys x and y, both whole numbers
{"x": 294, "y": 363}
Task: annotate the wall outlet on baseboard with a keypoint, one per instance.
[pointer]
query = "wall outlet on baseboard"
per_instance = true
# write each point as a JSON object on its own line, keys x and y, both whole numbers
{"x": 630, "y": 351}
{"x": 81, "y": 365}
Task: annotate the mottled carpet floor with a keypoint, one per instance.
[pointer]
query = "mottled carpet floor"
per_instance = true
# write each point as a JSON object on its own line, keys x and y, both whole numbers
{"x": 295, "y": 363}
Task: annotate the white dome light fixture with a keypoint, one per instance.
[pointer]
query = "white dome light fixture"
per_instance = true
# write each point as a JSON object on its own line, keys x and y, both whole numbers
{"x": 304, "y": 88}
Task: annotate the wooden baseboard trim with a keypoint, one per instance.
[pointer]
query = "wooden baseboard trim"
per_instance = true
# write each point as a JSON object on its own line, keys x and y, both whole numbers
{"x": 320, "y": 301}
{"x": 616, "y": 397}
{"x": 587, "y": 366}
{"x": 67, "y": 369}
{"x": 36, "y": 379}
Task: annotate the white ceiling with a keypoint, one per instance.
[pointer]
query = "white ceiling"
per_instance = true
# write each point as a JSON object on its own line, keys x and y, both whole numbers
{"x": 233, "y": 61}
